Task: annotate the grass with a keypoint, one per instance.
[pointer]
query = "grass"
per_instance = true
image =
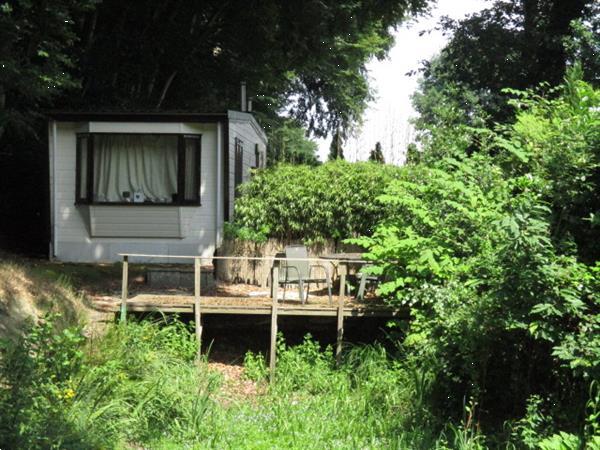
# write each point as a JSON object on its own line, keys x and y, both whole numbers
{"x": 139, "y": 385}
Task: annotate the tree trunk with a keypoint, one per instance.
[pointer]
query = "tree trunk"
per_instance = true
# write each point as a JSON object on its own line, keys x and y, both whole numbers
{"x": 166, "y": 88}
{"x": 2, "y": 107}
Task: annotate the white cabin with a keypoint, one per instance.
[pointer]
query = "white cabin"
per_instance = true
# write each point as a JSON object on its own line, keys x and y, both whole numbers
{"x": 154, "y": 183}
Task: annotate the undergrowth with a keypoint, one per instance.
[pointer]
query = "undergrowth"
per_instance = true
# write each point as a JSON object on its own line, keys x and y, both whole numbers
{"x": 141, "y": 385}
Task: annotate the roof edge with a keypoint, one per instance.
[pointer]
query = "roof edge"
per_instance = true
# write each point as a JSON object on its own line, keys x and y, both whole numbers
{"x": 74, "y": 116}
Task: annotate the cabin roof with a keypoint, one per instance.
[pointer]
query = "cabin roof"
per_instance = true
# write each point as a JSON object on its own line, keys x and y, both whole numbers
{"x": 97, "y": 116}
{"x": 178, "y": 116}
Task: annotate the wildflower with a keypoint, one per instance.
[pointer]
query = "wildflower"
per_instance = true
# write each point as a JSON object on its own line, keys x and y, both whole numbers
{"x": 68, "y": 394}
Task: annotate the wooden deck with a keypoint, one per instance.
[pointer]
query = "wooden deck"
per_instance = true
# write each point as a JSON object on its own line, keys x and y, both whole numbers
{"x": 229, "y": 299}
{"x": 249, "y": 306}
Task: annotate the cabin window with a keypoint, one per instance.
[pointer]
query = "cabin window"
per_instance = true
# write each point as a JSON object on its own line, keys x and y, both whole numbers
{"x": 239, "y": 163}
{"x": 257, "y": 158}
{"x": 120, "y": 168}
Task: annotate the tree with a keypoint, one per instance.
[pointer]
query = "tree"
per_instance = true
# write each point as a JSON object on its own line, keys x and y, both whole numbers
{"x": 288, "y": 143}
{"x": 584, "y": 44}
{"x": 336, "y": 150}
{"x": 514, "y": 43}
{"x": 35, "y": 61}
{"x": 376, "y": 154}
{"x": 184, "y": 54}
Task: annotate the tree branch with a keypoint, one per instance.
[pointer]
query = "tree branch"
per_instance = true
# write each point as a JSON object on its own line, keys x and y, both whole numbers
{"x": 166, "y": 88}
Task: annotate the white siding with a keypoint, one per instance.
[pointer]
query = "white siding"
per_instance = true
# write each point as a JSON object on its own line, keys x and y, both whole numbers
{"x": 241, "y": 127}
{"x": 140, "y": 221}
{"x": 73, "y": 241}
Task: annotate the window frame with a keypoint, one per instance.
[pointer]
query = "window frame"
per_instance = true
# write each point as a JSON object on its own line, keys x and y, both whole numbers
{"x": 238, "y": 174}
{"x": 181, "y": 163}
{"x": 257, "y": 157}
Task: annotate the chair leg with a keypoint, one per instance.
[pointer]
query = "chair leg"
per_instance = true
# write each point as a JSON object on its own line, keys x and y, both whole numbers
{"x": 307, "y": 290}
{"x": 301, "y": 290}
{"x": 284, "y": 288}
{"x": 360, "y": 295}
{"x": 329, "y": 292}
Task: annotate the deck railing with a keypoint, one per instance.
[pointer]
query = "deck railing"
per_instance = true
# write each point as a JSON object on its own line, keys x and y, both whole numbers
{"x": 340, "y": 264}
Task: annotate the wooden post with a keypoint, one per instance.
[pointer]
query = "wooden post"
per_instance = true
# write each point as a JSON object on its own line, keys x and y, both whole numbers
{"x": 197, "y": 316}
{"x": 274, "y": 281}
{"x": 273, "y": 348}
{"x": 124, "y": 288}
{"x": 340, "y": 314}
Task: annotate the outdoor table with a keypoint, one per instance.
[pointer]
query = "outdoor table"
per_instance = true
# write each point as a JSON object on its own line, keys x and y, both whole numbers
{"x": 342, "y": 262}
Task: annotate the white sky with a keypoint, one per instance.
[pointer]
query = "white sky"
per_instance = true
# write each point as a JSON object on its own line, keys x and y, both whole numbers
{"x": 387, "y": 118}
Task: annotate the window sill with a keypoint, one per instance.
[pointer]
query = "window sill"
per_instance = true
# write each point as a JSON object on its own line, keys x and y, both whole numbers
{"x": 135, "y": 204}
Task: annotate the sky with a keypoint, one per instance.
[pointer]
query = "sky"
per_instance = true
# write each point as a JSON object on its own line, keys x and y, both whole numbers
{"x": 387, "y": 118}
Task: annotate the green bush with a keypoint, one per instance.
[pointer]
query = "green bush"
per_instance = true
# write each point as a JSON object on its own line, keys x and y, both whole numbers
{"x": 38, "y": 383}
{"x": 335, "y": 200}
{"x": 488, "y": 250}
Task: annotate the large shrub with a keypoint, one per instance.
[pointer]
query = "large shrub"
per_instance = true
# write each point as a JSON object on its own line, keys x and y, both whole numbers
{"x": 333, "y": 201}
{"x": 487, "y": 251}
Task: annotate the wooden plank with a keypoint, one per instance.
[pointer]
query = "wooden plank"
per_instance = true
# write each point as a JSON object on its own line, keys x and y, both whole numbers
{"x": 273, "y": 348}
{"x": 197, "y": 317}
{"x": 274, "y": 283}
{"x": 340, "y": 318}
{"x": 188, "y": 309}
{"x": 402, "y": 313}
{"x": 256, "y": 310}
{"x": 124, "y": 288}
{"x": 247, "y": 258}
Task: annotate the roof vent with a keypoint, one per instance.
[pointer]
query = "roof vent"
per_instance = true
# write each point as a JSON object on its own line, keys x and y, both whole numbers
{"x": 243, "y": 96}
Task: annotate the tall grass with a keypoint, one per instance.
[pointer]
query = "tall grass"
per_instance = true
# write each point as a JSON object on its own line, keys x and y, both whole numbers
{"x": 140, "y": 385}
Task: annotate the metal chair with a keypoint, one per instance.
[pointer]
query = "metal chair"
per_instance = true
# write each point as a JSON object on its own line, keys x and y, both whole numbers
{"x": 297, "y": 270}
{"x": 364, "y": 278}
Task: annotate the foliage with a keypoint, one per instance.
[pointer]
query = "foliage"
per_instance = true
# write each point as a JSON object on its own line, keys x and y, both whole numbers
{"x": 584, "y": 44}
{"x": 332, "y": 201}
{"x": 376, "y": 154}
{"x": 444, "y": 128}
{"x": 558, "y": 140}
{"x": 37, "y": 67}
{"x": 489, "y": 251}
{"x": 308, "y": 58}
{"x": 36, "y": 376}
{"x": 139, "y": 380}
{"x": 336, "y": 148}
{"x": 288, "y": 143}
{"x": 35, "y": 61}
{"x": 513, "y": 43}
{"x": 140, "y": 386}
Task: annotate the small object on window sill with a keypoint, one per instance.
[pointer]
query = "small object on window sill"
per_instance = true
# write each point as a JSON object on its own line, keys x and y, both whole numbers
{"x": 126, "y": 196}
{"x": 138, "y": 197}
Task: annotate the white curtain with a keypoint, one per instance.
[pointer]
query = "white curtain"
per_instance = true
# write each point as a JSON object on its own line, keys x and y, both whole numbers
{"x": 135, "y": 163}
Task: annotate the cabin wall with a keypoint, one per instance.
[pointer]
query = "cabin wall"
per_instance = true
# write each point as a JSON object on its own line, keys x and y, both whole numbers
{"x": 241, "y": 128}
{"x": 71, "y": 224}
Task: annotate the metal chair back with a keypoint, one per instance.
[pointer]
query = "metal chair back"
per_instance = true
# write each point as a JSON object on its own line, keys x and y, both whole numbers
{"x": 296, "y": 256}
